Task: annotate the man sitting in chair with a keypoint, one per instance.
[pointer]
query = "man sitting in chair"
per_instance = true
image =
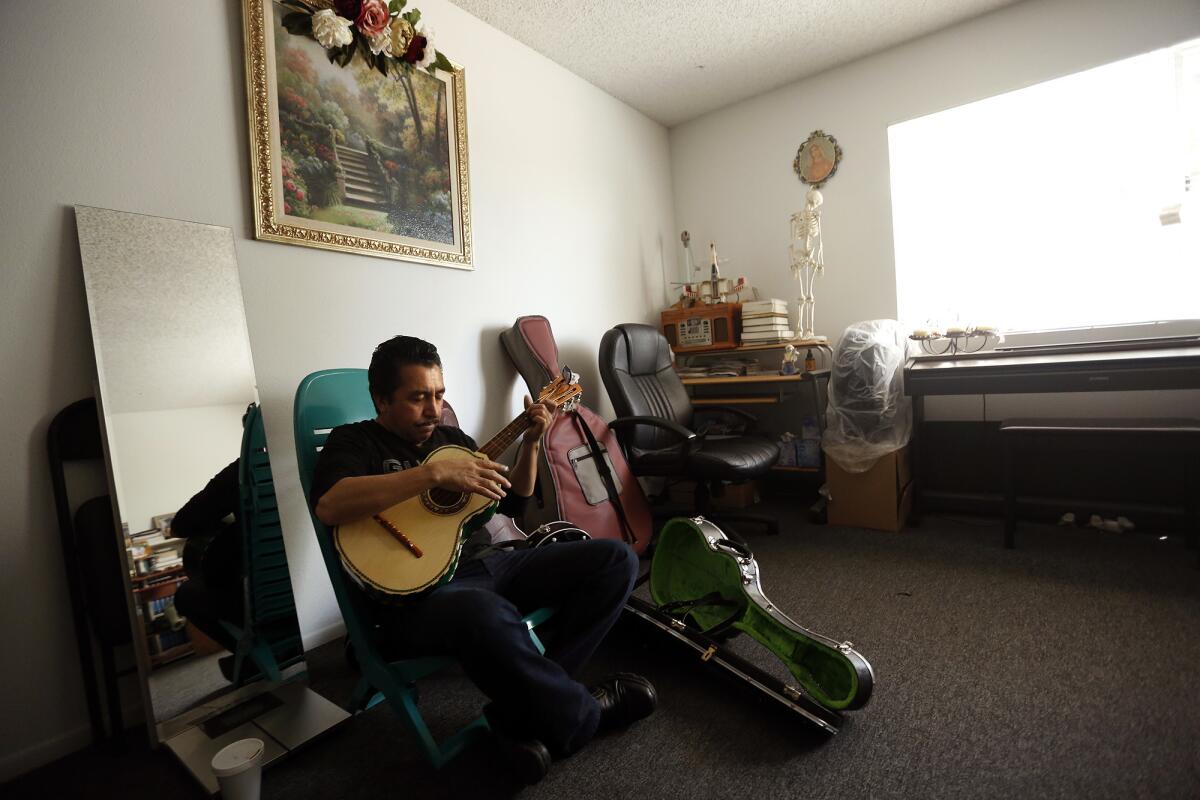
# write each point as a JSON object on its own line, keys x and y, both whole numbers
{"x": 212, "y": 560}
{"x": 537, "y": 709}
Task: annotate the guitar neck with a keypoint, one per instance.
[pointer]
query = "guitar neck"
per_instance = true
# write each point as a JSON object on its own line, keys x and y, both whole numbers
{"x": 505, "y": 438}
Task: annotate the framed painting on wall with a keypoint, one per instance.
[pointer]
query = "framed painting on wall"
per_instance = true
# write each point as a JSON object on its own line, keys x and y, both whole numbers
{"x": 350, "y": 150}
{"x": 817, "y": 159}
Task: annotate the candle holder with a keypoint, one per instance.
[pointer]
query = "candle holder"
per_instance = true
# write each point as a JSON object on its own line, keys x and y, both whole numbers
{"x": 956, "y": 340}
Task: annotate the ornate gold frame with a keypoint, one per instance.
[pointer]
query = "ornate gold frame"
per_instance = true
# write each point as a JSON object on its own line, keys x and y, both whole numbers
{"x": 265, "y": 176}
{"x": 798, "y": 163}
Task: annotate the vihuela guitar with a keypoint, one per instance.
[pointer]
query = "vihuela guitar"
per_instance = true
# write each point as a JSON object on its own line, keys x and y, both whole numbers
{"x": 413, "y": 547}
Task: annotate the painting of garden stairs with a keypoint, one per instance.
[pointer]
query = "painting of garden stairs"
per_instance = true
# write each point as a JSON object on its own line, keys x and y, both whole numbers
{"x": 364, "y": 187}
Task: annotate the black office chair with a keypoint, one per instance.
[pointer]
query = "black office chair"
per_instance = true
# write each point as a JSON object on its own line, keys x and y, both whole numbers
{"x": 657, "y": 425}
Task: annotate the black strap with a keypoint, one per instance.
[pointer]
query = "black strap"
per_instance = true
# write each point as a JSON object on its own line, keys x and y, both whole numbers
{"x": 680, "y": 609}
{"x": 605, "y": 475}
{"x": 537, "y": 484}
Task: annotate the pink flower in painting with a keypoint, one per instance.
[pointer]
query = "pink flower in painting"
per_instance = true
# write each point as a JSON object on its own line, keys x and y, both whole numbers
{"x": 291, "y": 187}
{"x": 300, "y": 195}
{"x": 373, "y": 17}
{"x": 287, "y": 208}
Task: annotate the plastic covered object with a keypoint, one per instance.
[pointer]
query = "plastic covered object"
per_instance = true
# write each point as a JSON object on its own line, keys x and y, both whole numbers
{"x": 868, "y": 415}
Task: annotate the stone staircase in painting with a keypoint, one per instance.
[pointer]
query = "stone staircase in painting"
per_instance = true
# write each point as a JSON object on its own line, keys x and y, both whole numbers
{"x": 364, "y": 185}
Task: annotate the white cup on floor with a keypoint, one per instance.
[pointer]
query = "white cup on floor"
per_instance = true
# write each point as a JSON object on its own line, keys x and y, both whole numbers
{"x": 238, "y": 768}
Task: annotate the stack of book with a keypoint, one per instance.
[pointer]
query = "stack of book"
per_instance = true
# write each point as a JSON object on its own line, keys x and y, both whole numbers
{"x": 765, "y": 321}
{"x": 700, "y": 371}
{"x": 728, "y": 367}
{"x": 168, "y": 560}
{"x": 152, "y": 551}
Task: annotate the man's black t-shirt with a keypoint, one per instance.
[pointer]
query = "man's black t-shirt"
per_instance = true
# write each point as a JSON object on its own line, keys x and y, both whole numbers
{"x": 214, "y": 556}
{"x": 206, "y": 512}
{"x": 368, "y": 448}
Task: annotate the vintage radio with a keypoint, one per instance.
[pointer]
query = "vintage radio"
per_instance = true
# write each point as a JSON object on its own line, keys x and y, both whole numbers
{"x": 703, "y": 327}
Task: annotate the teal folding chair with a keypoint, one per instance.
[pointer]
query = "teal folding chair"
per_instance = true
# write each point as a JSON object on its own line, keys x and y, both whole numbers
{"x": 269, "y": 633}
{"x": 325, "y": 400}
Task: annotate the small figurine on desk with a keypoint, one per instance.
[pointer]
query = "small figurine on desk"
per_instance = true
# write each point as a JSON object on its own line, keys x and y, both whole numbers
{"x": 790, "y": 357}
{"x": 711, "y": 291}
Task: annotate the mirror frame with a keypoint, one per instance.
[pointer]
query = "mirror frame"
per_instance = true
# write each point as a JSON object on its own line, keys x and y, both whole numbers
{"x": 158, "y": 730}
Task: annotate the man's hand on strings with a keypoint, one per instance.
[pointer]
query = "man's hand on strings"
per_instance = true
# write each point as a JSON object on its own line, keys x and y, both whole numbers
{"x": 483, "y": 477}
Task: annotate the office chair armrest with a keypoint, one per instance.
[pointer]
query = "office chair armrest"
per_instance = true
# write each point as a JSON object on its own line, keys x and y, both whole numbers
{"x": 688, "y": 439}
{"x": 655, "y": 422}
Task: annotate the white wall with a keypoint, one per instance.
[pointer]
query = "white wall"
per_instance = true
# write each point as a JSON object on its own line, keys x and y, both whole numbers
{"x": 140, "y": 106}
{"x": 145, "y": 446}
{"x": 732, "y": 169}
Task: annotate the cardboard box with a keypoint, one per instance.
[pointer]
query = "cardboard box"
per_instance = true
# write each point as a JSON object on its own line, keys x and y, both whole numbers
{"x": 879, "y": 498}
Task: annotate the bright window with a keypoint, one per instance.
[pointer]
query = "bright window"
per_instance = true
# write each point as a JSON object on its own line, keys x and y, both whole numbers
{"x": 1040, "y": 209}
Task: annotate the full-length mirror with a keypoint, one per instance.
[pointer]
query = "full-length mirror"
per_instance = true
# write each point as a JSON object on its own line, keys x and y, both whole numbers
{"x": 213, "y": 613}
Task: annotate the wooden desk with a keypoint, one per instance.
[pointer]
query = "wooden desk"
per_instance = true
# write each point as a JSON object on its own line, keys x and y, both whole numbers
{"x": 777, "y": 384}
{"x": 1065, "y": 369}
{"x": 821, "y": 344}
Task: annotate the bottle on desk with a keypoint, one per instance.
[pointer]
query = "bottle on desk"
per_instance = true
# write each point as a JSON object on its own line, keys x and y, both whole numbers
{"x": 810, "y": 362}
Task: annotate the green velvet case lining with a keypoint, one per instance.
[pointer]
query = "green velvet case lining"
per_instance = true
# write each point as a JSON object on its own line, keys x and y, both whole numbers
{"x": 685, "y": 567}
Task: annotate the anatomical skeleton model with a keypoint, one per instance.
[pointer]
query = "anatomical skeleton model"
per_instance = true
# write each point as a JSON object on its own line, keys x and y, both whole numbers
{"x": 807, "y": 259}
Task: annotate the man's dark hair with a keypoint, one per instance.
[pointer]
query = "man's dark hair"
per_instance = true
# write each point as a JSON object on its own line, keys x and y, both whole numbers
{"x": 383, "y": 376}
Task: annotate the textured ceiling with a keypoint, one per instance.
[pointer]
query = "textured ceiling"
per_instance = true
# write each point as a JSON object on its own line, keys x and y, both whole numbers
{"x": 674, "y": 60}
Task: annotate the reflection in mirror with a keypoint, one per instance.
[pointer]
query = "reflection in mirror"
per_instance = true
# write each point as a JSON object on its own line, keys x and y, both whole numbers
{"x": 211, "y": 597}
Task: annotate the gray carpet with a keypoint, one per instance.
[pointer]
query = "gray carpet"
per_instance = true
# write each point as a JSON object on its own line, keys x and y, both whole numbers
{"x": 1061, "y": 669}
{"x": 179, "y": 686}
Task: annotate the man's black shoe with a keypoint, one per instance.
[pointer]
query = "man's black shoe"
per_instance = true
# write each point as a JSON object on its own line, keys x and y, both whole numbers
{"x": 527, "y": 759}
{"x": 624, "y": 698}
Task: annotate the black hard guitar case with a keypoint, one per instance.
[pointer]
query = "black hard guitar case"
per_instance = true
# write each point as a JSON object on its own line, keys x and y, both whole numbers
{"x": 706, "y": 587}
{"x": 583, "y": 476}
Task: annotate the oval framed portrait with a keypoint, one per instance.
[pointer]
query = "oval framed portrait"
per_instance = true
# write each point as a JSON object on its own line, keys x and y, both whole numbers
{"x": 818, "y": 158}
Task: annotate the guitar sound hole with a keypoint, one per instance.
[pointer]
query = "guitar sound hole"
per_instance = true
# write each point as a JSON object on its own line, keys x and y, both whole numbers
{"x": 443, "y": 501}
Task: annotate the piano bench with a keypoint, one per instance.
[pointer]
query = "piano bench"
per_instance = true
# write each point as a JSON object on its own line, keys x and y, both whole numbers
{"x": 1015, "y": 431}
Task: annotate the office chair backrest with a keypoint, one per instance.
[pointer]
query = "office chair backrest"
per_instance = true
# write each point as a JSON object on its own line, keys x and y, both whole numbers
{"x": 639, "y": 375}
